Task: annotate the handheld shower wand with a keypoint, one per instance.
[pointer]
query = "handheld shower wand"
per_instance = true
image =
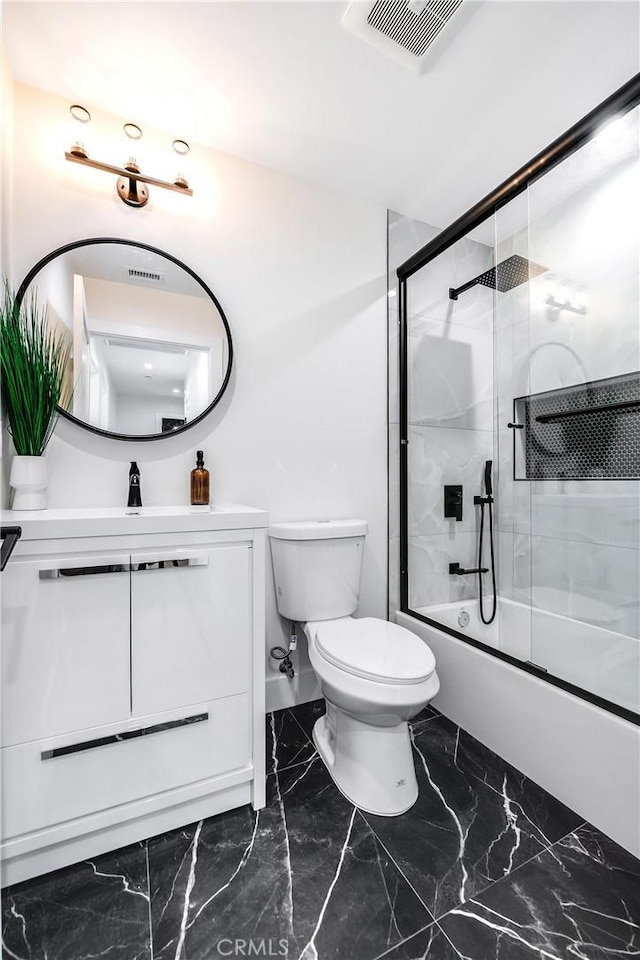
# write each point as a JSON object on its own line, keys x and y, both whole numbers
{"x": 488, "y": 483}
{"x": 487, "y": 501}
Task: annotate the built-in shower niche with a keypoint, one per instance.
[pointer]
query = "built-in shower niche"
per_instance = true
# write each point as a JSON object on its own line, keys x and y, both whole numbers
{"x": 589, "y": 431}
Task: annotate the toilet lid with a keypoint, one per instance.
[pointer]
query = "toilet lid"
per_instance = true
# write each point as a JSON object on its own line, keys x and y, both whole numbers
{"x": 375, "y": 649}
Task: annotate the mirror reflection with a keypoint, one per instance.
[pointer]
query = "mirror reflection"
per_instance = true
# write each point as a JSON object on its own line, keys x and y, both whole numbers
{"x": 151, "y": 348}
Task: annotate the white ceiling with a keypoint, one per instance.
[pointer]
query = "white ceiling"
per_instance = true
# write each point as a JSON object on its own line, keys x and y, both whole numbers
{"x": 281, "y": 83}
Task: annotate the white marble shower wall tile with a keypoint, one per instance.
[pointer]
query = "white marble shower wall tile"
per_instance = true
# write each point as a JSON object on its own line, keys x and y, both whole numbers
{"x": 429, "y": 578}
{"x": 513, "y": 497}
{"x": 514, "y": 566}
{"x": 450, "y": 375}
{"x": 568, "y": 348}
{"x": 512, "y": 306}
{"x": 512, "y": 359}
{"x": 428, "y": 289}
{"x": 559, "y": 349}
{"x": 611, "y": 518}
{"x": 439, "y": 456}
{"x": 593, "y": 583}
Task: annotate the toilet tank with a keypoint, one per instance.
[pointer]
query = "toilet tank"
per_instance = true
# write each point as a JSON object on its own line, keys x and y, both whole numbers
{"x": 317, "y": 567}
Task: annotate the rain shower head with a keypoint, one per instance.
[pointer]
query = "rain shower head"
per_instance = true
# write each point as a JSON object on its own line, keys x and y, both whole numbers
{"x": 504, "y": 277}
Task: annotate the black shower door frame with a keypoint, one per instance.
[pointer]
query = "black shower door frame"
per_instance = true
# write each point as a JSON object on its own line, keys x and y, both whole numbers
{"x": 624, "y": 99}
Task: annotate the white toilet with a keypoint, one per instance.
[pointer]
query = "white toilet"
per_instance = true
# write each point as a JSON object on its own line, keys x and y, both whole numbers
{"x": 374, "y": 675}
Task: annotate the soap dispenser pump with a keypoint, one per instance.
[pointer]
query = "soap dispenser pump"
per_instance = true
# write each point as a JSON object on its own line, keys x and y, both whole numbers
{"x": 199, "y": 482}
{"x": 135, "y": 496}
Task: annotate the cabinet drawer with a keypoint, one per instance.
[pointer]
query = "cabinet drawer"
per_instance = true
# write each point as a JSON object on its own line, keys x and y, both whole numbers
{"x": 48, "y": 782}
{"x": 190, "y": 625}
{"x": 65, "y": 645}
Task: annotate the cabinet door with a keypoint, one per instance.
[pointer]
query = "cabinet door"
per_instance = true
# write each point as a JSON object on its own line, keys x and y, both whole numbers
{"x": 65, "y": 645}
{"x": 190, "y": 623}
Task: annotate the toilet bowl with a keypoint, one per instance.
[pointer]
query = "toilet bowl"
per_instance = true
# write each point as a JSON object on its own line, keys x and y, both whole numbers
{"x": 374, "y": 675}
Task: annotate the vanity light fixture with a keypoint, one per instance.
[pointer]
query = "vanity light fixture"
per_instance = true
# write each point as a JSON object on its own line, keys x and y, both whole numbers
{"x": 132, "y": 185}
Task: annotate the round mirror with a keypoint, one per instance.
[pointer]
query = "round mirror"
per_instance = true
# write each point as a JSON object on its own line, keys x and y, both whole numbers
{"x": 151, "y": 347}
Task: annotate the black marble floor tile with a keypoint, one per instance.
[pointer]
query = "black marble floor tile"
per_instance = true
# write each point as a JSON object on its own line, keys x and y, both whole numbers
{"x": 580, "y": 899}
{"x": 550, "y": 817}
{"x": 307, "y": 713}
{"x": 98, "y": 908}
{"x": 429, "y": 944}
{"x": 307, "y": 870}
{"x": 286, "y": 741}
{"x": 463, "y": 833}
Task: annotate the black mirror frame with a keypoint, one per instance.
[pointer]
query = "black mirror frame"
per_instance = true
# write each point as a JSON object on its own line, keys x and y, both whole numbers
{"x": 92, "y": 241}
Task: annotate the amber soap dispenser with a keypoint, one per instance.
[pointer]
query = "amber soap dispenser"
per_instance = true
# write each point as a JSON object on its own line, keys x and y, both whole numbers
{"x": 199, "y": 482}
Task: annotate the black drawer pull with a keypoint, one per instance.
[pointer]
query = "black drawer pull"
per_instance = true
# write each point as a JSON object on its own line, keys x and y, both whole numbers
{"x": 122, "y": 737}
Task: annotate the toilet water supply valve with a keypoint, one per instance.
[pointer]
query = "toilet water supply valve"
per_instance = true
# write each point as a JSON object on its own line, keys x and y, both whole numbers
{"x": 279, "y": 653}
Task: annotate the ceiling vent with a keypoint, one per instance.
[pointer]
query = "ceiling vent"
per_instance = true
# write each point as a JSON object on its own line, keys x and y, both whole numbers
{"x": 145, "y": 275}
{"x": 403, "y": 29}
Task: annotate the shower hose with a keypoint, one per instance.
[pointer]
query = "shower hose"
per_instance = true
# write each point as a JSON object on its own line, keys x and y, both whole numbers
{"x": 488, "y": 502}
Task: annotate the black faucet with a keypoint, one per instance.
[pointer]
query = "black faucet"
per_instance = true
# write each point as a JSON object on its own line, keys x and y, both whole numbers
{"x": 457, "y": 571}
{"x": 135, "y": 497}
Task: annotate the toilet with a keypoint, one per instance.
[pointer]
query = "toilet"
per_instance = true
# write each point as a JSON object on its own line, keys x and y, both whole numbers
{"x": 374, "y": 675}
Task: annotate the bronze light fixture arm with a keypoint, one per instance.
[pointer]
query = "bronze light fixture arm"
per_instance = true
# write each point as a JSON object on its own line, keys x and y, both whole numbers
{"x": 129, "y": 174}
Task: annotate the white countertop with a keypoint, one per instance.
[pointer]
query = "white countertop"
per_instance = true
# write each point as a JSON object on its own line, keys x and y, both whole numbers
{"x": 114, "y": 521}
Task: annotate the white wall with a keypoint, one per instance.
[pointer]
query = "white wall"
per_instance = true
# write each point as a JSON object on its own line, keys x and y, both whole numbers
{"x": 127, "y": 303}
{"x": 139, "y": 414}
{"x": 300, "y": 274}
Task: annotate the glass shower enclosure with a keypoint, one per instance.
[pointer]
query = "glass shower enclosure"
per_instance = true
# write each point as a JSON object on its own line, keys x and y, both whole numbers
{"x": 519, "y": 416}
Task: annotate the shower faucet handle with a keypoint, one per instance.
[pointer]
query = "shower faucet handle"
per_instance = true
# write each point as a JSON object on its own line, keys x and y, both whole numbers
{"x": 453, "y": 501}
{"x": 457, "y": 571}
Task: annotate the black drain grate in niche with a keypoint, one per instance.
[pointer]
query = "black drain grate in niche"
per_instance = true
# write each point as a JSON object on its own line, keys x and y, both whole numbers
{"x": 590, "y": 431}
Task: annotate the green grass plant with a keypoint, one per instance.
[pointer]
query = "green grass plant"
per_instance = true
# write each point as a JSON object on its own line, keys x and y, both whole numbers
{"x": 34, "y": 361}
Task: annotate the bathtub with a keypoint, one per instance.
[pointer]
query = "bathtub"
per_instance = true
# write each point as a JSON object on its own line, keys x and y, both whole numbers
{"x": 586, "y": 756}
{"x": 592, "y": 657}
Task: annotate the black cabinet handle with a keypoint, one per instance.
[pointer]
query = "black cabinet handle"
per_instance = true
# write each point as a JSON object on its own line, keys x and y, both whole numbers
{"x": 10, "y": 536}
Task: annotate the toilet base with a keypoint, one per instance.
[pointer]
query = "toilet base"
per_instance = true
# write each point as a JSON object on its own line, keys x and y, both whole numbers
{"x": 371, "y": 766}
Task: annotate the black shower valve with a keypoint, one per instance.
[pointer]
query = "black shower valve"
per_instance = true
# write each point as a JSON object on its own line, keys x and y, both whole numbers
{"x": 453, "y": 501}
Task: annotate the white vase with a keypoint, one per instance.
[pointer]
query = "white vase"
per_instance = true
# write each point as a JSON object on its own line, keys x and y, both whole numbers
{"x": 29, "y": 481}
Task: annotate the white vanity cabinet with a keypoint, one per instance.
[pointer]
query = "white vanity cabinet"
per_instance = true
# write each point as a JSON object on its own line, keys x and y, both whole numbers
{"x": 64, "y": 668}
{"x": 190, "y": 623}
{"x": 132, "y": 678}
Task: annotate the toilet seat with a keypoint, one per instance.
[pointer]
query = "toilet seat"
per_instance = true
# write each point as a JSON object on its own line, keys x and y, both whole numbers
{"x": 373, "y": 649}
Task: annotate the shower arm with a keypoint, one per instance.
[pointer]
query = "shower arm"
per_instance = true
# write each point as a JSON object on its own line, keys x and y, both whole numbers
{"x": 454, "y": 292}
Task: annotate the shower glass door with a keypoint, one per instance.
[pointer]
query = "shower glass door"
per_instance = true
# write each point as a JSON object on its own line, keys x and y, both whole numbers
{"x": 512, "y": 346}
{"x": 450, "y": 403}
{"x": 578, "y": 456}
